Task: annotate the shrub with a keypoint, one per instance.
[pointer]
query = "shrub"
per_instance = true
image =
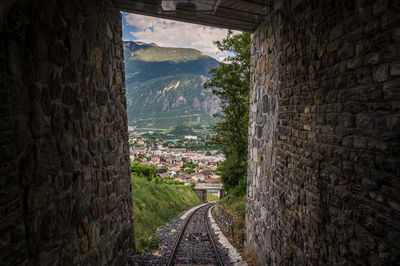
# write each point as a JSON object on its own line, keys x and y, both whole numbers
{"x": 148, "y": 244}
{"x": 240, "y": 189}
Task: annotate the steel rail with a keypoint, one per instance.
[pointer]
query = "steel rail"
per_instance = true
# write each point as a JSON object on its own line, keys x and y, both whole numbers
{"x": 178, "y": 239}
{"x": 210, "y": 236}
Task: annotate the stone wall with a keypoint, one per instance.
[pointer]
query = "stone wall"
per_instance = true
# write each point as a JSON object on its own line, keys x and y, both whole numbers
{"x": 65, "y": 194}
{"x": 224, "y": 219}
{"x": 323, "y": 179}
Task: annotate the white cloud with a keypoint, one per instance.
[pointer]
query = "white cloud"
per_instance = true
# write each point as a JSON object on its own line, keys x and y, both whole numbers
{"x": 171, "y": 33}
{"x": 142, "y": 22}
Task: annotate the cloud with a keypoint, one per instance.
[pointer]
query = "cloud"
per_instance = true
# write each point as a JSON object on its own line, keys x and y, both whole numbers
{"x": 143, "y": 22}
{"x": 171, "y": 33}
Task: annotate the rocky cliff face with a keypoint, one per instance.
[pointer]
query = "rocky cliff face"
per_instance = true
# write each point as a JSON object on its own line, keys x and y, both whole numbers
{"x": 165, "y": 86}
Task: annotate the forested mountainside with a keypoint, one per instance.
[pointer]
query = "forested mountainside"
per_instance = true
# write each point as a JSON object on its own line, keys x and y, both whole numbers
{"x": 165, "y": 86}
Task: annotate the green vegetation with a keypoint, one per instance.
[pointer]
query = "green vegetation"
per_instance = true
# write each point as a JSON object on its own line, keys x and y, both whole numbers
{"x": 188, "y": 170}
{"x": 175, "y": 138}
{"x": 190, "y": 164}
{"x": 149, "y": 172}
{"x": 196, "y": 147}
{"x": 211, "y": 197}
{"x": 148, "y": 244}
{"x": 182, "y": 130}
{"x": 156, "y": 103}
{"x": 143, "y": 170}
{"x": 168, "y": 181}
{"x": 236, "y": 207}
{"x": 188, "y": 167}
{"x": 232, "y": 80}
{"x": 154, "y": 205}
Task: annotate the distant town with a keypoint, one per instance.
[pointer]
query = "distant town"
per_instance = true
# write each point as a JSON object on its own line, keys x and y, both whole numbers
{"x": 183, "y": 153}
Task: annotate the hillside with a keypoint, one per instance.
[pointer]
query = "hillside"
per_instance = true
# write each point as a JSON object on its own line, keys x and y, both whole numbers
{"x": 165, "y": 86}
{"x": 154, "y": 205}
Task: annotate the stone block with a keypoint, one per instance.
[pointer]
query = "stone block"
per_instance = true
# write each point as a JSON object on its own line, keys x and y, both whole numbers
{"x": 96, "y": 57}
{"x": 380, "y": 73}
{"x": 391, "y": 89}
{"x": 68, "y": 95}
{"x": 102, "y": 98}
{"x": 395, "y": 69}
{"x": 346, "y": 52}
{"x": 336, "y": 32}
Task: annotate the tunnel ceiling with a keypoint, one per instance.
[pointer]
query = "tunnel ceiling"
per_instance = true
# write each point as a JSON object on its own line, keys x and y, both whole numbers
{"x": 244, "y": 15}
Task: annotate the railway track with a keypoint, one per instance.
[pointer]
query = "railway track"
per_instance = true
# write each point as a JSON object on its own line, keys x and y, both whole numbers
{"x": 195, "y": 244}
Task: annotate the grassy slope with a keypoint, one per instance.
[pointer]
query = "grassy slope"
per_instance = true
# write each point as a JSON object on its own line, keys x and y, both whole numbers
{"x": 155, "y": 204}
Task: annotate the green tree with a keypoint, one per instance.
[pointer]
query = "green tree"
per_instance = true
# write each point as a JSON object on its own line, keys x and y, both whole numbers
{"x": 188, "y": 167}
{"x": 231, "y": 83}
{"x": 142, "y": 170}
{"x": 180, "y": 130}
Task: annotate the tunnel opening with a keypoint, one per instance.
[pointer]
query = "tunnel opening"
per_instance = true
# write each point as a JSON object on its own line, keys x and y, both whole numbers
{"x": 323, "y": 133}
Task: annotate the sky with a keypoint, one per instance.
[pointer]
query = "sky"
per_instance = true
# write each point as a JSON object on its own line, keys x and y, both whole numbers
{"x": 169, "y": 33}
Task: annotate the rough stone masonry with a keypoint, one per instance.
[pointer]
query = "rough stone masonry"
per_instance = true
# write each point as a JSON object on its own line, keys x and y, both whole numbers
{"x": 65, "y": 194}
{"x": 324, "y": 132}
{"x": 323, "y": 179}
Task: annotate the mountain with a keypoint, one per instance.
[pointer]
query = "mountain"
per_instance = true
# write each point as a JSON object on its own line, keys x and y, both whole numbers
{"x": 165, "y": 86}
